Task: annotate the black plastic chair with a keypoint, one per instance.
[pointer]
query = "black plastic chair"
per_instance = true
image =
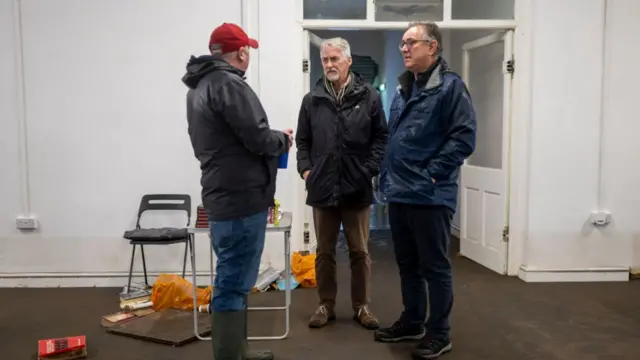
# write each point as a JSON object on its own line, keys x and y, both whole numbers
{"x": 160, "y": 236}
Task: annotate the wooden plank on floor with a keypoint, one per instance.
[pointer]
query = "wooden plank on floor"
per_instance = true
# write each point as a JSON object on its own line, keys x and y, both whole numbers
{"x": 170, "y": 327}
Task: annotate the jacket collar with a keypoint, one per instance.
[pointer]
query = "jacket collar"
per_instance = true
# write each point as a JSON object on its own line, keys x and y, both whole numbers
{"x": 427, "y": 80}
{"x": 356, "y": 86}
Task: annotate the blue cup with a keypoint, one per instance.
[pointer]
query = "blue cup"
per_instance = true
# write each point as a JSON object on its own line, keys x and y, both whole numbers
{"x": 283, "y": 160}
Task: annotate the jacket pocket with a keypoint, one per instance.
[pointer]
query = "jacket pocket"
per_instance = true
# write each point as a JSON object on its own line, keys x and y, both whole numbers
{"x": 355, "y": 177}
{"x": 320, "y": 181}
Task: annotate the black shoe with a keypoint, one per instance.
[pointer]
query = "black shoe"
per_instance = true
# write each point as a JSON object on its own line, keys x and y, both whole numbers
{"x": 399, "y": 332}
{"x": 431, "y": 348}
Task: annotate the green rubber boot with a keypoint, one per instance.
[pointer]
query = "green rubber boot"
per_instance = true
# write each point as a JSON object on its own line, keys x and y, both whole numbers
{"x": 228, "y": 335}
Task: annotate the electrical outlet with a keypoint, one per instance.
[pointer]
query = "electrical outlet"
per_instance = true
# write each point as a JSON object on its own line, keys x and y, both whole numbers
{"x": 26, "y": 223}
{"x": 600, "y": 218}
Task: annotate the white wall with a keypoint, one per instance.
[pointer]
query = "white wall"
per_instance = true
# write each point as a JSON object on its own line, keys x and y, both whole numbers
{"x": 571, "y": 172}
{"x": 10, "y": 174}
{"x": 105, "y": 115}
{"x": 621, "y": 148}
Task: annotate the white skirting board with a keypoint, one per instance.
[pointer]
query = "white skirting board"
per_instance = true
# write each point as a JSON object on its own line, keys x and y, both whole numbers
{"x": 114, "y": 279}
{"x": 455, "y": 231}
{"x": 613, "y": 274}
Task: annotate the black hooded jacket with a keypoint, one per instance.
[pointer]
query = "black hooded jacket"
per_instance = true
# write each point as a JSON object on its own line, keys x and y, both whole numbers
{"x": 341, "y": 145}
{"x": 232, "y": 140}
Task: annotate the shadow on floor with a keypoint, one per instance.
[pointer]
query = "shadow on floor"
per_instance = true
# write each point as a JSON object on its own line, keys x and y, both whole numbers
{"x": 494, "y": 317}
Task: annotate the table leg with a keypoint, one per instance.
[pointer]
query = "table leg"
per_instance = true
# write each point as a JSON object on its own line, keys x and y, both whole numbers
{"x": 287, "y": 294}
{"x": 287, "y": 267}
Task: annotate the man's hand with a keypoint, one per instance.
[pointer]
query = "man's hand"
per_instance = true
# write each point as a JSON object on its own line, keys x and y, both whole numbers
{"x": 289, "y": 133}
{"x": 305, "y": 175}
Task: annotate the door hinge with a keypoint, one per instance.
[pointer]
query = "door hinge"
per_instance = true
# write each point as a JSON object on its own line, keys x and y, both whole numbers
{"x": 305, "y": 65}
{"x": 505, "y": 234}
{"x": 508, "y": 67}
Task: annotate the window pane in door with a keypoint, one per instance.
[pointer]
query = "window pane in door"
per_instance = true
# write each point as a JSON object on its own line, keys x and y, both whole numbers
{"x": 486, "y": 84}
{"x": 409, "y": 10}
{"x": 335, "y": 9}
{"x": 482, "y": 9}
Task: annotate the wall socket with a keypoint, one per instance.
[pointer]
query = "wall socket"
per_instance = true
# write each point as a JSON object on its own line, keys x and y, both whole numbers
{"x": 600, "y": 218}
{"x": 26, "y": 223}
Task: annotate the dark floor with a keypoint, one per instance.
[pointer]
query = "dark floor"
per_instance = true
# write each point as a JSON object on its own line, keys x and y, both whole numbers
{"x": 494, "y": 317}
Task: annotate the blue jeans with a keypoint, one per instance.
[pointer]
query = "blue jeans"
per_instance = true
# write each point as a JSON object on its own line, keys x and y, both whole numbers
{"x": 421, "y": 243}
{"x": 238, "y": 246}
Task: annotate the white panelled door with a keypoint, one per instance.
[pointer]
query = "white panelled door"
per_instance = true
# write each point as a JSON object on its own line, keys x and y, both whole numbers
{"x": 309, "y": 39}
{"x": 484, "y": 208}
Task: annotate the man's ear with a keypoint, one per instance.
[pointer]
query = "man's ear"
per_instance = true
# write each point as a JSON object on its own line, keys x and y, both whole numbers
{"x": 243, "y": 53}
{"x": 433, "y": 47}
{"x": 350, "y": 60}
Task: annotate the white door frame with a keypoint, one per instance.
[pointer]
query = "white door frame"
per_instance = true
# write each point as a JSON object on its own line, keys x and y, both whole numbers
{"x": 519, "y": 161}
{"x": 478, "y": 251}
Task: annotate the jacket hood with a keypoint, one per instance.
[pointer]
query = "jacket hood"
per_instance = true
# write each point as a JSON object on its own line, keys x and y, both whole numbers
{"x": 199, "y": 67}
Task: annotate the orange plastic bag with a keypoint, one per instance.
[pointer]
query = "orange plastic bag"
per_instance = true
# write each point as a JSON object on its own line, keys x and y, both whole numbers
{"x": 172, "y": 291}
{"x": 303, "y": 268}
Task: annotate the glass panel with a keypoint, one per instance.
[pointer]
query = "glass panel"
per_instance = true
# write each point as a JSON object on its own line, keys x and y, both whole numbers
{"x": 335, "y": 9}
{"x": 409, "y": 10}
{"x": 486, "y": 84}
{"x": 482, "y": 9}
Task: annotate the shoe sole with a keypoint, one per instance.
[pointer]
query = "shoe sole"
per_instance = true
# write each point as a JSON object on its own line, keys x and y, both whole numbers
{"x": 400, "y": 339}
{"x": 417, "y": 356}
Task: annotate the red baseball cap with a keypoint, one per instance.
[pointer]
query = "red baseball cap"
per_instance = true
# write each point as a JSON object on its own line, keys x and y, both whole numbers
{"x": 230, "y": 37}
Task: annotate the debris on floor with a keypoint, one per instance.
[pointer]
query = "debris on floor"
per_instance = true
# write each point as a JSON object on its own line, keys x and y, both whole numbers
{"x": 281, "y": 283}
{"x": 68, "y": 348}
{"x": 171, "y": 291}
{"x": 134, "y": 303}
{"x": 303, "y": 267}
{"x": 266, "y": 277}
{"x": 134, "y": 298}
{"x": 115, "y": 318}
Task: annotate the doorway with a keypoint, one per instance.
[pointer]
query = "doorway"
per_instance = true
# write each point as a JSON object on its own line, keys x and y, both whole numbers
{"x": 483, "y": 58}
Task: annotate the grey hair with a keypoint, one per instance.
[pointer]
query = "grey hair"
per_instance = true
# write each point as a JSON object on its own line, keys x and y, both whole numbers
{"x": 431, "y": 32}
{"x": 228, "y": 55}
{"x": 338, "y": 43}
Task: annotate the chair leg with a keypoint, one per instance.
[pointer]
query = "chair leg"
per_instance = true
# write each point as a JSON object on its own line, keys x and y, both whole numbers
{"x": 184, "y": 261}
{"x": 191, "y": 251}
{"x": 133, "y": 255}
{"x": 144, "y": 266}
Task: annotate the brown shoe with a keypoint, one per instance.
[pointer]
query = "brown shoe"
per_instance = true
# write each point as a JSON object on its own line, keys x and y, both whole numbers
{"x": 322, "y": 316}
{"x": 365, "y": 318}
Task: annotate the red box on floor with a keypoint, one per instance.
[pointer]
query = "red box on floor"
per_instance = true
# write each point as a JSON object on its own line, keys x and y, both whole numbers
{"x": 73, "y": 347}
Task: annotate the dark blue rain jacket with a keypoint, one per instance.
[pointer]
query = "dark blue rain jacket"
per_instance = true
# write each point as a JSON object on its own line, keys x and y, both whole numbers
{"x": 432, "y": 130}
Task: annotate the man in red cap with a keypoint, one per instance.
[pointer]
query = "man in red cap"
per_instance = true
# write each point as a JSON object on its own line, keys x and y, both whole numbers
{"x": 238, "y": 155}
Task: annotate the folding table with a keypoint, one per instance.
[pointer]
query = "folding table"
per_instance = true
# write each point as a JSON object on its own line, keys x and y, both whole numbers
{"x": 284, "y": 226}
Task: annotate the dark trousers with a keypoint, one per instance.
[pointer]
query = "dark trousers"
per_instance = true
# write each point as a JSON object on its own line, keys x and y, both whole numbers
{"x": 238, "y": 245}
{"x": 421, "y": 242}
{"x": 356, "y": 229}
